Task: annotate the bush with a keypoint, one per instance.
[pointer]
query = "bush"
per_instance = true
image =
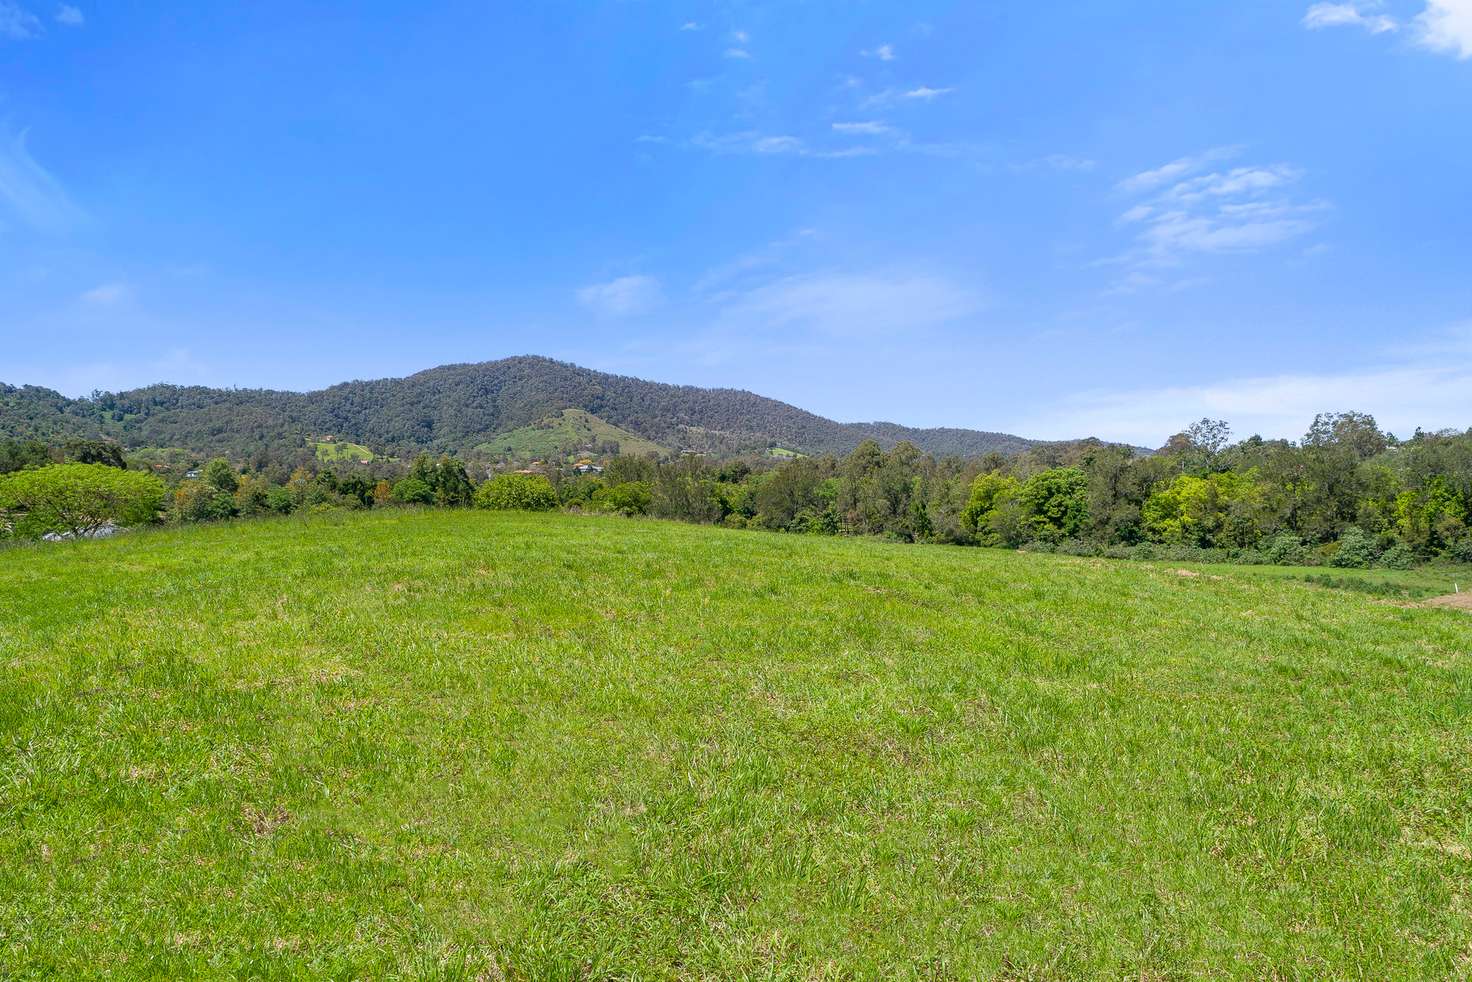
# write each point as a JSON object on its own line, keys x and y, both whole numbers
{"x": 1356, "y": 550}
{"x": 516, "y": 492}
{"x": 279, "y": 500}
{"x": 77, "y": 500}
{"x": 1397, "y": 556}
{"x": 1461, "y": 551}
{"x": 413, "y": 491}
{"x": 1285, "y": 549}
{"x": 628, "y": 498}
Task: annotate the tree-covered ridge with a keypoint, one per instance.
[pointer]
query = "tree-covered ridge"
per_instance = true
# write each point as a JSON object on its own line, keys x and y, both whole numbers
{"x": 457, "y": 407}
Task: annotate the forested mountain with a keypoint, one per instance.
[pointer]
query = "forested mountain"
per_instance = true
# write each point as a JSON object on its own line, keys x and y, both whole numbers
{"x": 455, "y": 407}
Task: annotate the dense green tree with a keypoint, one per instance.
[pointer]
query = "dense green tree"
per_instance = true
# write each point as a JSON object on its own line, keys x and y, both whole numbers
{"x": 16, "y": 455}
{"x": 1056, "y": 503}
{"x": 413, "y": 491}
{"x": 628, "y": 498}
{"x": 105, "y": 452}
{"x": 221, "y": 476}
{"x": 993, "y": 512}
{"x": 516, "y": 492}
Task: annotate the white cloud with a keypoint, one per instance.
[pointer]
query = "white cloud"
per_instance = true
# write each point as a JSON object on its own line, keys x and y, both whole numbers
{"x": 926, "y": 94}
{"x": 1175, "y": 170}
{"x": 762, "y": 144}
{"x": 892, "y": 97}
{"x": 740, "y": 37}
{"x": 17, "y": 23}
{"x": 69, "y": 16}
{"x": 1063, "y": 163}
{"x": 1446, "y": 26}
{"x": 690, "y": 25}
{"x": 29, "y": 192}
{"x": 1239, "y": 210}
{"x": 1354, "y": 14}
{"x": 626, "y": 296}
{"x": 106, "y": 295}
{"x": 865, "y": 128}
{"x": 1429, "y": 393}
{"x": 884, "y": 52}
{"x": 738, "y": 54}
{"x": 720, "y": 278}
{"x": 849, "y": 304}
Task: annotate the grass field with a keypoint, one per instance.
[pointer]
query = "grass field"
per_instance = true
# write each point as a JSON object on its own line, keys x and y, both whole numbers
{"x": 487, "y": 745}
{"x": 331, "y": 453}
{"x": 565, "y": 434}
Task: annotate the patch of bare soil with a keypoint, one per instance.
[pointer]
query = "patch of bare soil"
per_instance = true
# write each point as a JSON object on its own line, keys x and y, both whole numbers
{"x": 1458, "y": 601}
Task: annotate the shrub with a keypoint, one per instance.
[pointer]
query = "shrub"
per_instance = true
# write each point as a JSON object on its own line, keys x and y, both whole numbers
{"x": 1285, "y": 549}
{"x": 1356, "y": 550}
{"x": 628, "y": 498}
{"x": 279, "y": 500}
{"x": 413, "y": 491}
{"x": 516, "y": 492}
{"x": 1398, "y": 556}
{"x": 77, "y": 499}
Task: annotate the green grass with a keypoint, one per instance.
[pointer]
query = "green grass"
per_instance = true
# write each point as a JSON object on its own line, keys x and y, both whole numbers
{"x": 481, "y": 745}
{"x": 331, "y": 453}
{"x": 1420, "y": 583}
{"x": 567, "y": 433}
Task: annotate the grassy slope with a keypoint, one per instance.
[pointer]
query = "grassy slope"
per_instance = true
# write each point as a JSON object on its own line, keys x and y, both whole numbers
{"x": 1424, "y": 581}
{"x": 566, "y": 433}
{"x": 332, "y": 452}
{"x": 432, "y": 742}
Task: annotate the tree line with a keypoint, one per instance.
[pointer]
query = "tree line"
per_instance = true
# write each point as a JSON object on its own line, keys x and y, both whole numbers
{"x": 1345, "y": 494}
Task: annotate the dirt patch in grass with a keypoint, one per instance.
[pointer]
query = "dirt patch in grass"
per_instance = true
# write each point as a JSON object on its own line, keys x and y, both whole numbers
{"x": 1458, "y": 601}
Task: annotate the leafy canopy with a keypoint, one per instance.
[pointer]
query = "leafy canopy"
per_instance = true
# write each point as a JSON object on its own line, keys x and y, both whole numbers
{"x": 516, "y": 492}
{"x": 77, "y": 499}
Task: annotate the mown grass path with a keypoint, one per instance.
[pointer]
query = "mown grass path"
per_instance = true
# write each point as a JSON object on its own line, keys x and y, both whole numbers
{"x": 446, "y": 744}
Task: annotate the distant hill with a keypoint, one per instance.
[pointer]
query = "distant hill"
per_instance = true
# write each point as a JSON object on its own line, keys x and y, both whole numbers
{"x": 459, "y": 407}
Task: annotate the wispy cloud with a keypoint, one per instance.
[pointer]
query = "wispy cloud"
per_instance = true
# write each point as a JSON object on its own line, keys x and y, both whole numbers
{"x": 771, "y": 145}
{"x": 29, "y": 192}
{"x": 724, "y": 277}
{"x": 1430, "y": 391}
{"x": 69, "y": 16}
{"x": 1176, "y": 169}
{"x": 884, "y": 52}
{"x": 1355, "y": 14}
{"x": 840, "y": 304}
{"x": 17, "y": 23}
{"x": 891, "y": 97}
{"x": 1063, "y": 163}
{"x": 926, "y": 94}
{"x": 738, "y": 54}
{"x": 106, "y": 294}
{"x": 864, "y": 128}
{"x": 1184, "y": 212}
{"x": 690, "y": 25}
{"x": 626, "y": 296}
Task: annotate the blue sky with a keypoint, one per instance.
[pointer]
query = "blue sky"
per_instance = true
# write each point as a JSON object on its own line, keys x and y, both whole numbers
{"x": 1051, "y": 219}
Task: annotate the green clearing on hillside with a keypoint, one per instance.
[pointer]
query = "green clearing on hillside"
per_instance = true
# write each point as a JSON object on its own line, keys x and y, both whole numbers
{"x": 564, "y": 434}
{"x": 331, "y": 453}
{"x": 485, "y": 745}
